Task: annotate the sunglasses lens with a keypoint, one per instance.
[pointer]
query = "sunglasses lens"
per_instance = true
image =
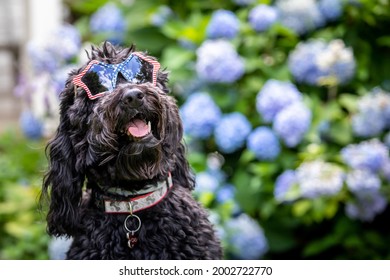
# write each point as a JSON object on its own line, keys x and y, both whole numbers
{"x": 136, "y": 71}
{"x": 98, "y": 79}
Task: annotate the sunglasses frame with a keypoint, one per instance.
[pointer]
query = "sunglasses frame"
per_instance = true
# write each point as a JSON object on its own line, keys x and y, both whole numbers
{"x": 78, "y": 82}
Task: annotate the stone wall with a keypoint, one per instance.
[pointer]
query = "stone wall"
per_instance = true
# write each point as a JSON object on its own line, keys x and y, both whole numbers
{"x": 12, "y": 36}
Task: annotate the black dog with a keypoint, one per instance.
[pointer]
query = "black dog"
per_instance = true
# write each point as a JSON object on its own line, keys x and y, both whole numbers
{"x": 120, "y": 142}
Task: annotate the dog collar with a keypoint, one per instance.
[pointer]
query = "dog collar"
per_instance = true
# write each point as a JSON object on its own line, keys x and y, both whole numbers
{"x": 141, "y": 202}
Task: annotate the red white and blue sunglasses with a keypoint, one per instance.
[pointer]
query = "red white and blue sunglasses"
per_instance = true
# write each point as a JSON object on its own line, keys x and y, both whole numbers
{"x": 99, "y": 77}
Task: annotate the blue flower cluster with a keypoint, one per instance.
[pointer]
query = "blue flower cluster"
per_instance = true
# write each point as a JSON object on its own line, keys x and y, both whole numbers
{"x": 225, "y": 193}
{"x": 366, "y": 207}
{"x": 371, "y": 155}
{"x": 246, "y": 237}
{"x": 41, "y": 57}
{"x": 331, "y": 9}
{"x": 274, "y": 96}
{"x": 218, "y": 62}
{"x": 303, "y": 16}
{"x": 300, "y": 15}
{"x": 162, "y": 14}
{"x": 262, "y": 17}
{"x": 231, "y": 132}
{"x": 50, "y": 65}
{"x": 281, "y": 103}
{"x": 109, "y": 21}
{"x": 244, "y": 2}
{"x": 69, "y": 38}
{"x": 319, "y": 63}
{"x": 206, "y": 182}
{"x": 361, "y": 181}
{"x": 48, "y": 57}
{"x": 318, "y": 178}
{"x": 373, "y": 115}
{"x": 367, "y": 161}
{"x": 200, "y": 115}
{"x": 292, "y": 123}
{"x": 30, "y": 125}
{"x": 264, "y": 143}
{"x": 283, "y": 184}
{"x": 223, "y": 24}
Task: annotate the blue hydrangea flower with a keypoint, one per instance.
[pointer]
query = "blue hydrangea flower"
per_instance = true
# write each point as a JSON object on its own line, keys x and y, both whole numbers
{"x": 225, "y": 193}
{"x": 274, "y": 96}
{"x": 371, "y": 154}
{"x": 319, "y": 178}
{"x": 337, "y": 61}
{"x": 368, "y": 123}
{"x": 58, "y": 247}
{"x": 206, "y": 182}
{"x": 301, "y": 16}
{"x": 108, "y": 20}
{"x": 42, "y": 59}
{"x": 302, "y": 61}
{"x": 69, "y": 38}
{"x": 231, "y": 132}
{"x": 292, "y": 123}
{"x": 32, "y": 127}
{"x": 162, "y": 14}
{"x": 373, "y": 115}
{"x": 264, "y": 143}
{"x": 246, "y": 237}
{"x": 218, "y": 62}
{"x": 262, "y": 17}
{"x": 244, "y": 2}
{"x": 366, "y": 207}
{"x": 200, "y": 115}
{"x": 331, "y": 9}
{"x": 317, "y": 63}
{"x": 223, "y": 24}
{"x": 283, "y": 184}
{"x": 361, "y": 181}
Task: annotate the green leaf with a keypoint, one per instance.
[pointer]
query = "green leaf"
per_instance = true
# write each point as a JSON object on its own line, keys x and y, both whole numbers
{"x": 349, "y": 101}
{"x": 175, "y": 58}
{"x": 320, "y": 246}
{"x": 341, "y": 132}
{"x": 301, "y": 208}
{"x": 384, "y": 41}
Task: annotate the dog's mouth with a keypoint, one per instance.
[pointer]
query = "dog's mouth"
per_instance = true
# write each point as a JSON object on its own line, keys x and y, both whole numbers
{"x": 139, "y": 127}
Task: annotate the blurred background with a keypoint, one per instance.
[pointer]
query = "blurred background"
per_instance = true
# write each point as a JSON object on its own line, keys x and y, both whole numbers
{"x": 285, "y": 104}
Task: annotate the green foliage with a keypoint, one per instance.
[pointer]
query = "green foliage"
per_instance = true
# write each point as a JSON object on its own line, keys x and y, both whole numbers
{"x": 22, "y": 226}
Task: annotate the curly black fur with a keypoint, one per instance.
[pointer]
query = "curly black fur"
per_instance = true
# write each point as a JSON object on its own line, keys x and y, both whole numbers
{"x": 91, "y": 150}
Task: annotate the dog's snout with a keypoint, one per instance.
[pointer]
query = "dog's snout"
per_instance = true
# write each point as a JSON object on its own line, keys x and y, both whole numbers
{"x": 133, "y": 97}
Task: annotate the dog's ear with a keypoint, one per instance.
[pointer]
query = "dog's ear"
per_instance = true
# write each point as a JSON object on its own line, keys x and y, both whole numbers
{"x": 64, "y": 180}
{"x": 174, "y": 136}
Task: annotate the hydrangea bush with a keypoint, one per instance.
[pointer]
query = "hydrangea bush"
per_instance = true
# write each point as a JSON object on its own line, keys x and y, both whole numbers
{"x": 286, "y": 110}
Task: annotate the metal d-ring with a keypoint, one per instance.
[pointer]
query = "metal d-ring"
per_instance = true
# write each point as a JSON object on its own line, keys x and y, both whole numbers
{"x": 132, "y": 216}
{"x": 139, "y": 223}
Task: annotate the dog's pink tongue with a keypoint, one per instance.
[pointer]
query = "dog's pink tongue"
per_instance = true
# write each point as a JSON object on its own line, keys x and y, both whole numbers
{"x": 138, "y": 128}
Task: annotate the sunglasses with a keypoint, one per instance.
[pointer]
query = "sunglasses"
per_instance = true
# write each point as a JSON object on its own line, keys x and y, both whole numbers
{"x": 99, "y": 77}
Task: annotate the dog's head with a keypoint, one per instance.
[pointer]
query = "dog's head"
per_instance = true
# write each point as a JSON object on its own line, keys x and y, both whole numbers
{"x": 117, "y": 124}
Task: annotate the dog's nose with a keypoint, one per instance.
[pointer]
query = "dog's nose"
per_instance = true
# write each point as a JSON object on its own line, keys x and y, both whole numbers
{"x": 133, "y": 97}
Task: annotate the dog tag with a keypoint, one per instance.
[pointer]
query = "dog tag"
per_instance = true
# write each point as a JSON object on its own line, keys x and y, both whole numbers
{"x": 132, "y": 224}
{"x": 132, "y": 240}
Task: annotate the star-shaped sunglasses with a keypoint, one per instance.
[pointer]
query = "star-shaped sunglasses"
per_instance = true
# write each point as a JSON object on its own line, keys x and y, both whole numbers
{"x": 99, "y": 77}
